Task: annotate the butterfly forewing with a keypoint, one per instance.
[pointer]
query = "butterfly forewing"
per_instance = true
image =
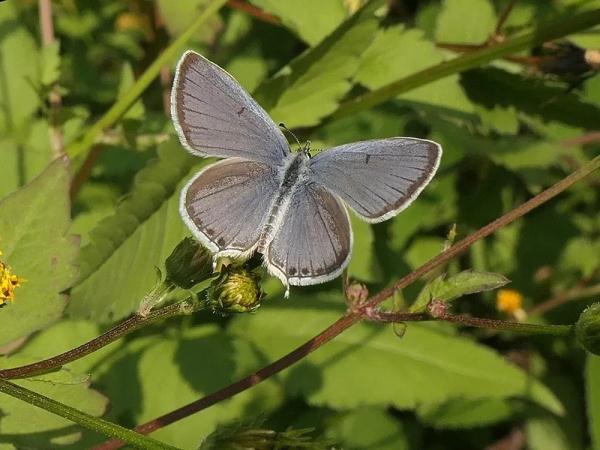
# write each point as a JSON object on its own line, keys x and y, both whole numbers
{"x": 215, "y": 116}
{"x": 378, "y": 178}
{"x": 314, "y": 242}
{"x": 226, "y": 203}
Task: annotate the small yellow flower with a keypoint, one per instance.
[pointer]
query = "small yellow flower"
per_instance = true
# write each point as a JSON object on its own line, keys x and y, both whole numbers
{"x": 510, "y": 302}
{"x": 8, "y": 283}
{"x": 129, "y": 21}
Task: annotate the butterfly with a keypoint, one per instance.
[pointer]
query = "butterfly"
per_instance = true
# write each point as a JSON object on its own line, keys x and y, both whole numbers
{"x": 262, "y": 198}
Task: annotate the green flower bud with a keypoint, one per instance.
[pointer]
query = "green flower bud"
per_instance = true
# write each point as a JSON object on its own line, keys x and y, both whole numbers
{"x": 188, "y": 264}
{"x": 587, "y": 329}
{"x": 235, "y": 290}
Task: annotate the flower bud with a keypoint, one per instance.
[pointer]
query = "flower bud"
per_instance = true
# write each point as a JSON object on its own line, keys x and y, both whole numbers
{"x": 587, "y": 329}
{"x": 357, "y": 292}
{"x": 235, "y": 290}
{"x": 188, "y": 264}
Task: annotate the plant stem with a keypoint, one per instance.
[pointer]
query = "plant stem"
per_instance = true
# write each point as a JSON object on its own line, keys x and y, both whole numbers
{"x": 83, "y": 145}
{"x": 127, "y": 326}
{"x": 48, "y": 38}
{"x": 478, "y": 322}
{"x": 93, "y": 423}
{"x": 564, "y": 297}
{"x": 351, "y": 318}
{"x": 555, "y": 30}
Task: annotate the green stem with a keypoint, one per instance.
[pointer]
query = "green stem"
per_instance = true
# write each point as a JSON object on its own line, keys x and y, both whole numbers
{"x": 544, "y": 33}
{"x": 93, "y": 423}
{"x": 121, "y": 106}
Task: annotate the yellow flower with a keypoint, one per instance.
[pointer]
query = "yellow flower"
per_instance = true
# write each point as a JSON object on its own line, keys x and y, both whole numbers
{"x": 510, "y": 302}
{"x": 8, "y": 283}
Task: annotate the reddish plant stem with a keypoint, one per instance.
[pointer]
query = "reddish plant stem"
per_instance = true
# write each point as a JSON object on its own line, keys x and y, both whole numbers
{"x": 502, "y": 19}
{"x": 325, "y": 336}
{"x": 48, "y": 38}
{"x": 351, "y": 318}
{"x": 127, "y": 326}
{"x": 252, "y": 10}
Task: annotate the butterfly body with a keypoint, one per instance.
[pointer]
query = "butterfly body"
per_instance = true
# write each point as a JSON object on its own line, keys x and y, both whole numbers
{"x": 287, "y": 206}
{"x": 293, "y": 174}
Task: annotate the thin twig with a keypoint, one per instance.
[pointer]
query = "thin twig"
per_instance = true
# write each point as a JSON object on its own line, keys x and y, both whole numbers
{"x": 502, "y": 20}
{"x": 585, "y": 139}
{"x": 351, "y": 318}
{"x": 48, "y": 38}
{"x": 477, "y": 322}
{"x": 564, "y": 297}
{"x": 253, "y": 11}
{"x": 127, "y": 326}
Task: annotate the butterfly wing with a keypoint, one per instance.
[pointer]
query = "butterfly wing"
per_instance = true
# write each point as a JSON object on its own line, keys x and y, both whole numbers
{"x": 225, "y": 204}
{"x": 215, "y": 116}
{"x": 314, "y": 241}
{"x": 378, "y": 178}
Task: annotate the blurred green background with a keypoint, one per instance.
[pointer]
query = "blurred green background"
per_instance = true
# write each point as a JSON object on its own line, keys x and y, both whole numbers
{"x": 508, "y": 131}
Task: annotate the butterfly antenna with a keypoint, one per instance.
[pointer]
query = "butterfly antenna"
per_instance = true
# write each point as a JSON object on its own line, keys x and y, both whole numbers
{"x": 282, "y": 125}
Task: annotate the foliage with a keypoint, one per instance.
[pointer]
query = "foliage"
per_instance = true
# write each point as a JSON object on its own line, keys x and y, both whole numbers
{"x": 87, "y": 232}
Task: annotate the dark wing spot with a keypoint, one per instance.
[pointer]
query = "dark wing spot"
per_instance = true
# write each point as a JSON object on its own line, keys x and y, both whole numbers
{"x": 367, "y": 158}
{"x": 292, "y": 271}
{"x": 221, "y": 242}
{"x": 305, "y": 271}
{"x": 210, "y": 231}
{"x": 241, "y": 111}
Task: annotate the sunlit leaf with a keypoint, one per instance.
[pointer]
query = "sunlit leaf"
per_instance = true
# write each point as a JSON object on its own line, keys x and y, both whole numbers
{"x": 431, "y": 367}
{"x": 34, "y": 223}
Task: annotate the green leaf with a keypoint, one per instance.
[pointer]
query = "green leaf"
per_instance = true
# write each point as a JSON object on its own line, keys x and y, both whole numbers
{"x": 24, "y": 156}
{"x": 425, "y": 367}
{"x": 546, "y": 434}
{"x": 312, "y": 85}
{"x": 592, "y": 388}
{"x": 164, "y": 372}
{"x": 396, "y": 53}
{"x": 369, "y": 428}
{"x": 364, "y": 264}
{"x": 179, "y": 15}
{"x": 461, "y": 413}
{"x": 465, "y": 22}
{"x": 34, "y": 223}
{"x": 29, "y": 427}
{"x": 19, "y": 73}
{"x": 118, "y": 266}
{"x": 463, "y": 283}
{"x": 135, "y": 111}
{"x": 422, "y": 250}
{"x": 529, "y": 96}
{"x": 311, "y": 20}
{"x": 50, "y": 63}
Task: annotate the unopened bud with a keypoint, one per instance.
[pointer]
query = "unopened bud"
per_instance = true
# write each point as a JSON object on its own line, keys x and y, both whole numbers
{"x": 235, "y": 290}
{"x": 357, "y": 292}
{"x": 587, "y": 329}
{"x": 189, "y": 264}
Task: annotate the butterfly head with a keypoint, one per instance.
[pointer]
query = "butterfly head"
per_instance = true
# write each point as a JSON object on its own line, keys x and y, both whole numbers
{"x": 305, "y": 149}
